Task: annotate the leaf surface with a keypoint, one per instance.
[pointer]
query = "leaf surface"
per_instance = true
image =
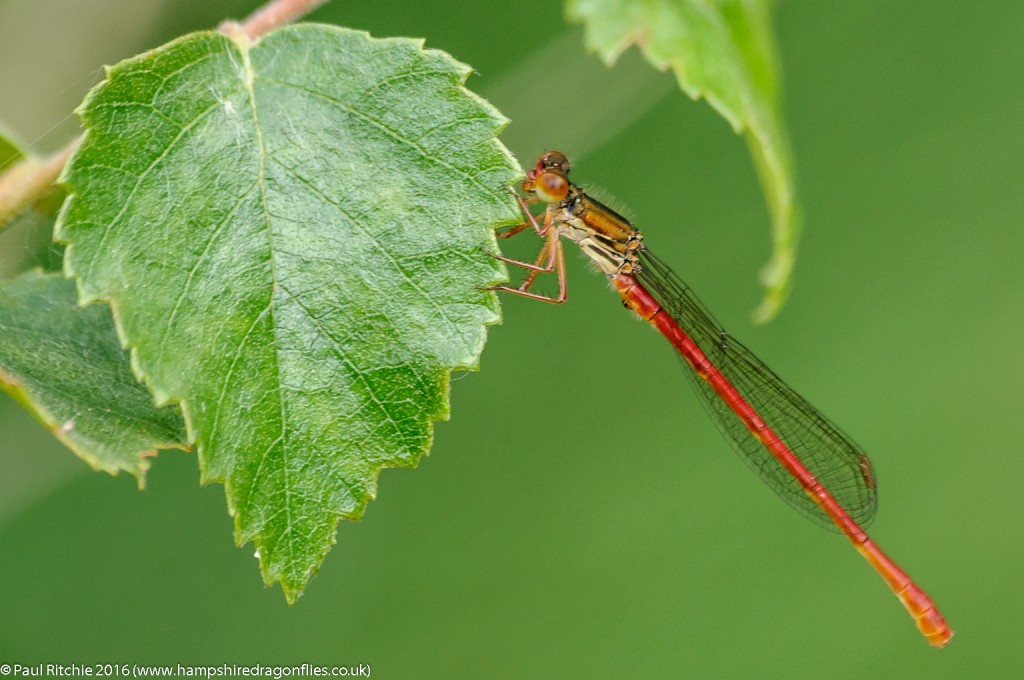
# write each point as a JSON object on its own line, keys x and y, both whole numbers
{"x": 291, "y": 236}
{"x": 722, "y": 50}
{"x": 64, "y": 363}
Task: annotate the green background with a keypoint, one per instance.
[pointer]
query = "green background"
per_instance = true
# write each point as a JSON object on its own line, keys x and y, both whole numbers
{"x": 580, "y": 517}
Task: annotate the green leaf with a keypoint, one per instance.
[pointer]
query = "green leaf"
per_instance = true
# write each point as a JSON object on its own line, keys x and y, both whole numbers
{"x": 65, "y": 365}
{"x": 722, "y": 50}
{"x": 27, "y": 242}
{"x": 10, "y": 151}
{"x": 291, "y": 234}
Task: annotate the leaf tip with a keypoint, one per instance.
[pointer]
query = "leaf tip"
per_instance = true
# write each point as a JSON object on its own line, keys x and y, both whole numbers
{"x": 776, "y": 277}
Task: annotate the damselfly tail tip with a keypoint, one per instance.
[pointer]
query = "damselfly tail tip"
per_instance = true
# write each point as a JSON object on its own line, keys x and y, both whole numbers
{"x": 938, "y": 633}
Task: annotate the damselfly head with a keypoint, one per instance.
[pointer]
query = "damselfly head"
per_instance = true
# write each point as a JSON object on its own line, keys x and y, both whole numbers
{"x": 549, "y": 180}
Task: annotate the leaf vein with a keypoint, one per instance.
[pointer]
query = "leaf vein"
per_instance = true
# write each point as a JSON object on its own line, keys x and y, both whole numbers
{"x": 394, "y": 134}
{"x": 249, "y": 76}
{"x": 346, "y": 359}
{"x": 107, "y": 229}
{"x": 426, "y": 296}
{"x": 191, "y": 273}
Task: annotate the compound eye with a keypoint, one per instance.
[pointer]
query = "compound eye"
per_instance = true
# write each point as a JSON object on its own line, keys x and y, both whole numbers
{"x": 554, "y": 160}
{"x": 551, "y": 187}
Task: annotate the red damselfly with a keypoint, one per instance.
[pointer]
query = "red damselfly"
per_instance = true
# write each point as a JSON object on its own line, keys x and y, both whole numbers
{"x": 797, "y": 451}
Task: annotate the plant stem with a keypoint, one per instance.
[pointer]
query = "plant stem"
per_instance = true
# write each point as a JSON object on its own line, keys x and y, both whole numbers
{"x": 27, "y": 181}
{"x": 277, "y": 13}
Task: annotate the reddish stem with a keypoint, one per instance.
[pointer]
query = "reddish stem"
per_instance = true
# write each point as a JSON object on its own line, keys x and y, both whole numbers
{"x": 276, "y": 13}
{"x": 27, "y": 181}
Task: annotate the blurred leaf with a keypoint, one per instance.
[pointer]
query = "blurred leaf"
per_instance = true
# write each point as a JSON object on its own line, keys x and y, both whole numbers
{"x": 65, "y": 365}
{"x": 27, "y": 242}
{"x": 291, "y": 237}
{"x": 10, "y": 151}
{"x": 721, "y": 50}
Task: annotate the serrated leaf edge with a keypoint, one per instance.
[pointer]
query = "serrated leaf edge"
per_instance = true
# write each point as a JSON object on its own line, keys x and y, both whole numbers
{"x": 292, "y": 593}
{"x": 17, "y": 391}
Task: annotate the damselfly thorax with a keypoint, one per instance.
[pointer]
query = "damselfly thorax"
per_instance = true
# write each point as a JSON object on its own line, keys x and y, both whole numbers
{"x": 605, "y": 236}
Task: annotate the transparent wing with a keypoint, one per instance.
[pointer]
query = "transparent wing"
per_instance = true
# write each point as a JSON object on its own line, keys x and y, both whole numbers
{"x": 830, "y": 455}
